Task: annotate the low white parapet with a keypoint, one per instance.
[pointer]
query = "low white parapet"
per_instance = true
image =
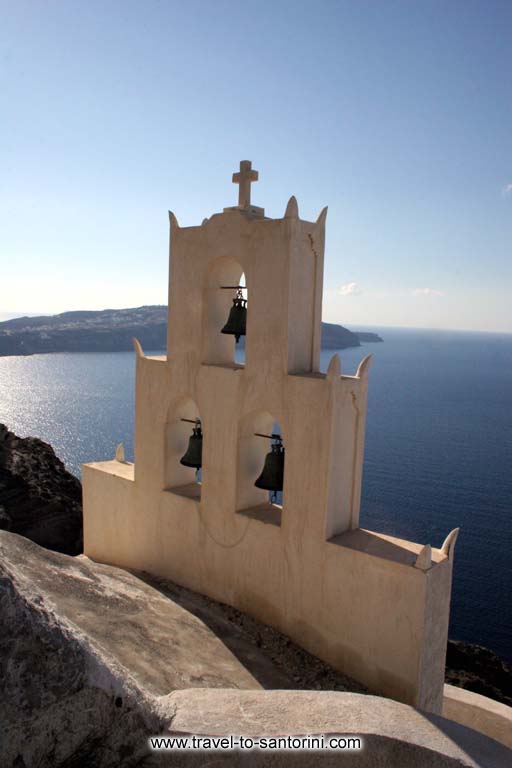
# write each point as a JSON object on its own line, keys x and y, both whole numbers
{"x": 478, "y": 712}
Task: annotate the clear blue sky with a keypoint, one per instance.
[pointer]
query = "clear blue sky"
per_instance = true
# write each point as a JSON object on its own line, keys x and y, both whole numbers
{"x": 398, "y": 115}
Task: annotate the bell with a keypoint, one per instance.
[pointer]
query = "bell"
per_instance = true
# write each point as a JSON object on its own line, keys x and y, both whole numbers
{"x": 271, "y": 478}
{"x": 235, "y": 325}
{"x": 194, "y": 453}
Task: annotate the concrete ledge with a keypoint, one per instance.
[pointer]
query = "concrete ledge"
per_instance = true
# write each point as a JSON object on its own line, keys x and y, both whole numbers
{"x": 387, "y": 547}
{"x": 227, "y": 366}
{"x": 393, "y": 734}
{"x": 478, "y": 712}
{"x": 124, "y": 469}
{"x": 264, "y": 513}
{"x": 188, "y": 491}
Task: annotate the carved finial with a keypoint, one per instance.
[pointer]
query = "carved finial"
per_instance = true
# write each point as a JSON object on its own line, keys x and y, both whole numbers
{"x": 364, "y": 367}
{"x": 120, "y": 453}
{"x": 449, "y": 543}
{"x": 138, "y": 348}
{"x": 292, "y": 209}
{"x": 323, "y": 215}
{"x": 334, "y": 369}
{"x": 173, "y": 220}
{"x": 424, "y": 559}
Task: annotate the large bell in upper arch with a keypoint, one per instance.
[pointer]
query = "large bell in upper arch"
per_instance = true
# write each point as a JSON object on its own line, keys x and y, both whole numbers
{"x": 237, "y": 319}
{"x": 272, "y": 475}
{"x": 193, "y": 456}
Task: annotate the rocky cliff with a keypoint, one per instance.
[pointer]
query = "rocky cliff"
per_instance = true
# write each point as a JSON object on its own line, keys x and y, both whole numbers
{"x": 112, "y": 330}
{"x": 94, "y": 660}
{"x": 39, "y": 498}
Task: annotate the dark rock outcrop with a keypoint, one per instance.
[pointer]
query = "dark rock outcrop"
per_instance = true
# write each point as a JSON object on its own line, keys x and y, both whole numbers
{"x": 39, "y": 498}
{"x": 480, "y": 670}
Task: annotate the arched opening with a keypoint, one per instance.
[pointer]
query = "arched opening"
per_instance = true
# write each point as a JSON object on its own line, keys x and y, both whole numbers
{"x": 183, "y": 443}
{"x": 261, "y": 457}
{"x": 225, "y": 282}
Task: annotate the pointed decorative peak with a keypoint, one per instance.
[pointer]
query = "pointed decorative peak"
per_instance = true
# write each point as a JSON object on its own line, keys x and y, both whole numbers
{"x": 292, "y": 209}
{"x": 424, "y": 559}
{"x": 449, "y": 543}
{"x": 120, "y": 453}
{"x": 138, "y": 348}
{"x": 323, "y": 215}
{"x": 173, "y": 220}
{"x": 334, "y": 369}
{"x": 364, "y": 367}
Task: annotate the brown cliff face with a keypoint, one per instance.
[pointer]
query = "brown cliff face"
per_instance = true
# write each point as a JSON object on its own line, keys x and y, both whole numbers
{"x": 39, "y": 498}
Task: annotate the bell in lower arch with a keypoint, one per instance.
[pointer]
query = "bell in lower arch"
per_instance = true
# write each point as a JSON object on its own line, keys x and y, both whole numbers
{"x": 271, "y": 478}
{"x": 237, "y": 319}
{"x": 194, "y": 454}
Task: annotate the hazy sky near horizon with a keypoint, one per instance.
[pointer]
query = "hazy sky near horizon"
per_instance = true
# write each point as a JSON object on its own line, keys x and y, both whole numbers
{"x": 397, "y": 115}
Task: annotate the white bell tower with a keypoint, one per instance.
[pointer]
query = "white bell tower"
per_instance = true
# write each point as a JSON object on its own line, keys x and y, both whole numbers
{"x": 374, "y": 606}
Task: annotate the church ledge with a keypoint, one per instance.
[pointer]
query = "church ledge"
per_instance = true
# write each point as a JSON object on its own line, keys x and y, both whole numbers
{"x": 157, "y": 358}
{"x": 227, "y": 366}
{"x": 399, "y": 551}
{"x": 321, "y": 376}
{"x": 123, "y": 469}
{"x": 257, "y": 214}
{"x": 191, "y": 491}
{"x": 478, "y": 712}
{"x": 266, "y": 513}
{"x": 308, "y": 374}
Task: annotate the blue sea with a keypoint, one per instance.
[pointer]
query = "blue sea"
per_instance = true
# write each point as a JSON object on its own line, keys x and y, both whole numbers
{"x": 438, "y": 446}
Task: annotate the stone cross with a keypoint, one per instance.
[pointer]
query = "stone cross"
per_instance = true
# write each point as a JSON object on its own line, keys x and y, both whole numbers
{"x": 244, "y": 178}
